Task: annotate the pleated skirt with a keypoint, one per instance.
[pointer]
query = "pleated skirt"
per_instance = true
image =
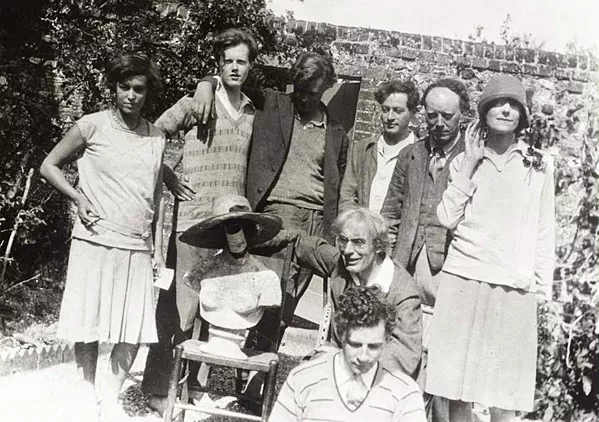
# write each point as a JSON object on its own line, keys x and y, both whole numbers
{"x": 109, "y": 296}
{"x": 483, "y": 344}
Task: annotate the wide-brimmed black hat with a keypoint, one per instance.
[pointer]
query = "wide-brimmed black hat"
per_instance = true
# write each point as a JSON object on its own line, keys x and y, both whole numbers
{"x": 210, "y": 233}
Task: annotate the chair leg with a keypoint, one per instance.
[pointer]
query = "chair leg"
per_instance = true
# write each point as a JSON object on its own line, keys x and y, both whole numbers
{"x": 269, "y": 390}
{"x": 172, "y": 388}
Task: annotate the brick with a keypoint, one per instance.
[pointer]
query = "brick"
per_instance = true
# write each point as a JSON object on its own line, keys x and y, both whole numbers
{"x": 583, "y": 62}
{"x": 572, "y": 61}
{"x": 394, "y": 40}
{"x": 529, "y": 69}
{"x": 359, "y": 34}
{"x": 479, "y": 49}
{"x": 525, "y": 55}
{"x": 593, "y": 66}
{"x": 580, "y": 76}
{"x": 365, "y": 126}
{"x": 468, "y": 48}
{"x": 510, "y": 67}
{"x": 544, "y": 71}
{"x": 428, "y": 56}
{"x": 437, "y": 43}
{"x": 301, "y": 26}
{"x": 489, "y": 51}
{"x": 494, "y": 65}
{"x": 479, "y": 63}
{"x": 510, "y": 54}
{"x": 542, "y": 57}
{"x": 443, "y": 59}
{"x": 500, "y": 52}
{"x": 462, "y": 61}
{"x": 367, "y": 105}
{"x": 562, "y": 60}
{"x": 427, "y": 42}
{"x": 361, "y": 49}
{"x": 343, "y": 32}
{"x": 457, "y": 47}
{"x": 467, "y": 74}
{"x": 412, "y": 41}
{"x": 552, "y": 59}
{"x": 409, "y": 54}
{"x": 49, "y": 356}
{"x": 575, "y": 88}
{"x": 344, "y": 46}
{"x": 563, "y": 74}
{"x": 365, "y": 116}
{"x": 447, "y": 45}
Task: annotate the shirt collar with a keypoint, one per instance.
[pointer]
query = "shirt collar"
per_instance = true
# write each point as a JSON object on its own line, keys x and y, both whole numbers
{"x": 313, "y": 123}
{"x": 519, "y": 148}
{"x": 245, "y": 100}
{"x": 447, "y": 148}
{"x": 344, "y": 375}
{"x": 382, "y": 148}
{"x": 381, "y": 275}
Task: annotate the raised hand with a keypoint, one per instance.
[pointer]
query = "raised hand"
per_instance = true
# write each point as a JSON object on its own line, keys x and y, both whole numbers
{"x": 474, "y": 145}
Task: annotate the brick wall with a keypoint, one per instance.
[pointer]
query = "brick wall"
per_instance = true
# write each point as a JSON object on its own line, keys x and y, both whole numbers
{"x": 555, "y": 82}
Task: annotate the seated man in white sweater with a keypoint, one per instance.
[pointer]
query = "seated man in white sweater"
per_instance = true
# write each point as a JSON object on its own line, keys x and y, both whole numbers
{"x": 350, "y": 384}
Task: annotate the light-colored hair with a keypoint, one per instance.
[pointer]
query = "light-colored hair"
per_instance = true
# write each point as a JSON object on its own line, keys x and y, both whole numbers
{"x": 376, "y": 225}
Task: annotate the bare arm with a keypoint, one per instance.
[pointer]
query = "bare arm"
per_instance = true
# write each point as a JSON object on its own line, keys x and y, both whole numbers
{"x": 64, "y": 153}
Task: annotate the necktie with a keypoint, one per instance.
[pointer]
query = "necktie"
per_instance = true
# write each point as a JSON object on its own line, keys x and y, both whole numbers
{"x": 437, "y": 162}
{"x": 357, "y": 392}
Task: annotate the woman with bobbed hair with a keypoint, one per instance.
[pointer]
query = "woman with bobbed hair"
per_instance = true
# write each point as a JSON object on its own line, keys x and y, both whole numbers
{"x": 361, "y": 258}
{"x": 499, "y": 204}
{"x": 109, "y": 293}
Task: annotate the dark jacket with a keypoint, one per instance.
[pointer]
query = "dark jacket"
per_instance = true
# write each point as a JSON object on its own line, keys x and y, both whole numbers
{"x": 360, "y": 171}
{"x": 404, "y": 201}
{"x": 273, "y": 126}
{"x": 404, "y": 350}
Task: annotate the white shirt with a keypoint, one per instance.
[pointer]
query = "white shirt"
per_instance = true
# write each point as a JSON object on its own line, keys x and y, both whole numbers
{"x": 386, "y": 157}
{"x": 344, "y": 377}
{"x": 221, "y": 93}
{"x": 381, "y": 275}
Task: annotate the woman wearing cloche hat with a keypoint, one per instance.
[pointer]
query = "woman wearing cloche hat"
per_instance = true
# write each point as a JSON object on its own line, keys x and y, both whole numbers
{"x": 499, "y": 204}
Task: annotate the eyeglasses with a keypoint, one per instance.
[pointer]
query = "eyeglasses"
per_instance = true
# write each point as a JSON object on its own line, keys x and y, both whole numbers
{"x": 360, "y": 244}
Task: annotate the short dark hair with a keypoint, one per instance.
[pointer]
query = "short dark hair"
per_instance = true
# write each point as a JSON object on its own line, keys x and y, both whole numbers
{"x": 232, "y": 37}
{"x": 127, "y": 65}
{"x": 312, "y": 66}
{"x": 363, "y": 307}
{"x": 397, "y": 86}
{"x": 453, "y": 85}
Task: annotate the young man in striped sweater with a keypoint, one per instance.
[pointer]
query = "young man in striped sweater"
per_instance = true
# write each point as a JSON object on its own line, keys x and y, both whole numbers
{"x": 351, "y": 385}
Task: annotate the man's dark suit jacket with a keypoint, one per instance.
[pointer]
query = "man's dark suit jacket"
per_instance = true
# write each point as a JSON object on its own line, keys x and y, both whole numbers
{"x": 271, "y": 139}
{"x": 404, "y": 201}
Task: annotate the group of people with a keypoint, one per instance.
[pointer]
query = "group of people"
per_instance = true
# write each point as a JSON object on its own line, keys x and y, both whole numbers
{"x": 436, "y": 250}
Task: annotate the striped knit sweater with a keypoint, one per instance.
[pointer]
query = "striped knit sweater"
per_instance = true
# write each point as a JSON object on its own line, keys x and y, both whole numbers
{"x": 216, "y": 167}
{"x": 311, "y": 394}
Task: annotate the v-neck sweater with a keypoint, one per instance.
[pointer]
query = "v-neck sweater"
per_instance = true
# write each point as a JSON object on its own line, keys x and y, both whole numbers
{"x": 310, "y": 393}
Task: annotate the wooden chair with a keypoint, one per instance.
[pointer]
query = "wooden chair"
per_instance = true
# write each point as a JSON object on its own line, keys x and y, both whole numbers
{"x": 180, "y": 390}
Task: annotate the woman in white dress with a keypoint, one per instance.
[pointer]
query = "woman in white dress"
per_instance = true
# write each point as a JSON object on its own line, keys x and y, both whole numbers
{"x": 109, "y": 288}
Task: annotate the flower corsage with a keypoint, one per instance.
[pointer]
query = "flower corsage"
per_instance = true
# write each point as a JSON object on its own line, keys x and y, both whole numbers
{"x": 533, "y": 158}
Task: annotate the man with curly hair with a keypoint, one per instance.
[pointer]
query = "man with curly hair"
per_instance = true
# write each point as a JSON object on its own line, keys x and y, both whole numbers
{"x": 351, "y": 384}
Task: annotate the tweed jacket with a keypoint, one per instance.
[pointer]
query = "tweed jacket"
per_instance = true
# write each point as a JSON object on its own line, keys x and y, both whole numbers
{"x": 359, "y": 173}
{"x": 271, "y": 139}
{"x": 404, "y": 350}
{"x": 403, "y": 204}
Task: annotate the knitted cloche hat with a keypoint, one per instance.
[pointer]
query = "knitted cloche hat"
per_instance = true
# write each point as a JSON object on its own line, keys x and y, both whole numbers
{"x": 504, "y": 86}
